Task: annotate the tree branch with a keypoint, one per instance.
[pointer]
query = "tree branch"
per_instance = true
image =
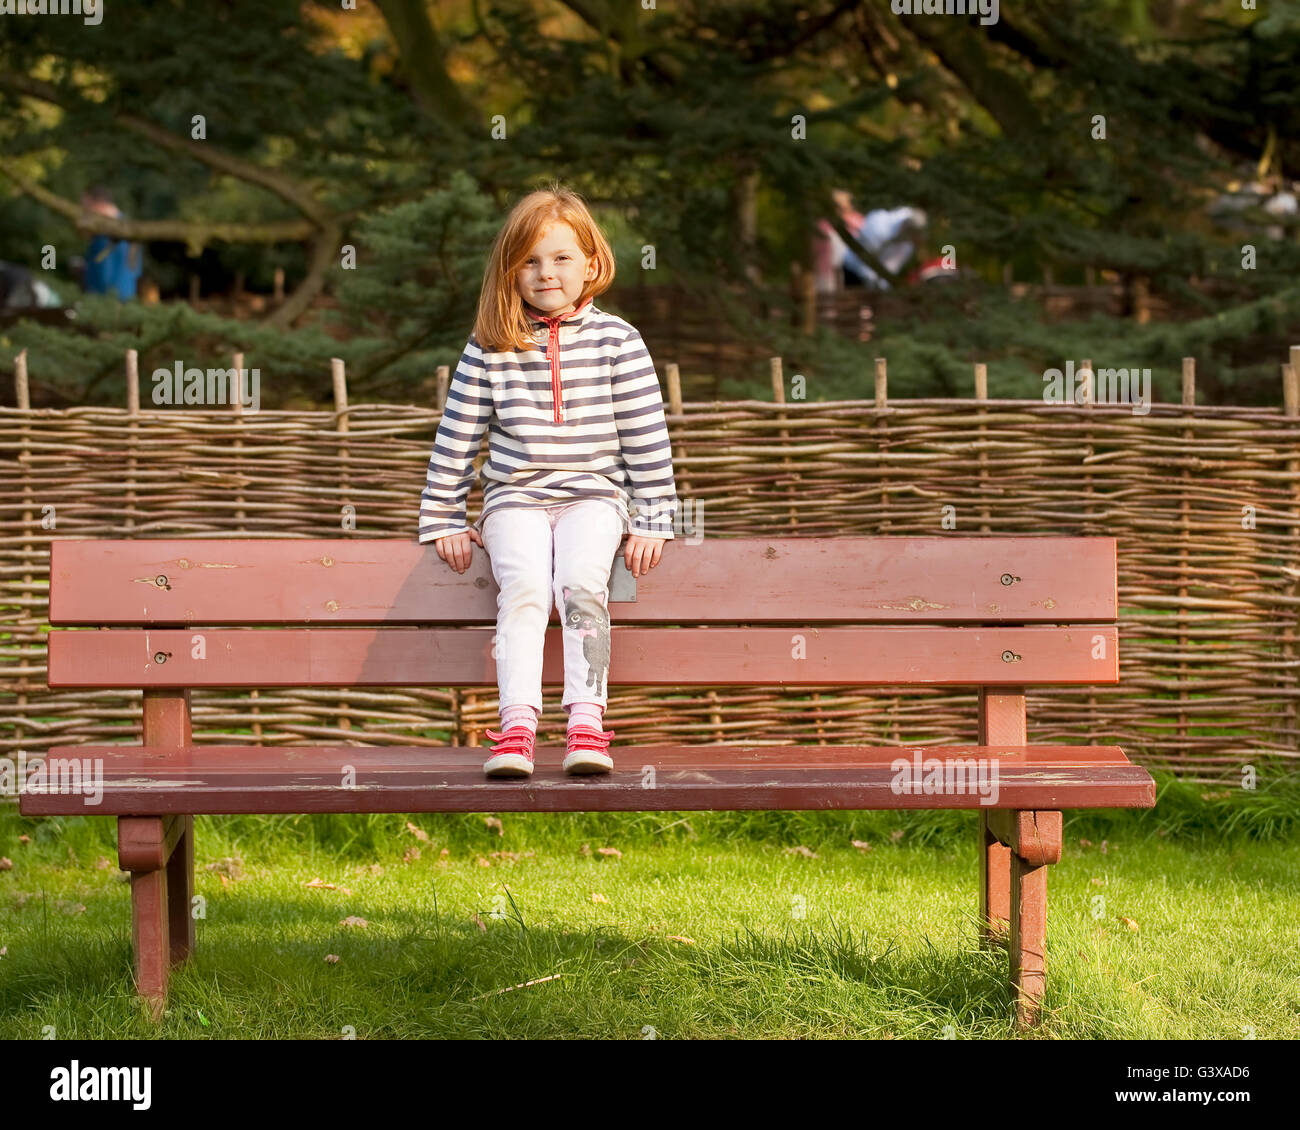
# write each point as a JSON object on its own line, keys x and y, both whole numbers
{"x": 202, "y": 151}
{"x": 992, "y": 87}
{"x": 323, "y": 250}
{"x": 194, "y": 235}
{"x": 422, "y": 60}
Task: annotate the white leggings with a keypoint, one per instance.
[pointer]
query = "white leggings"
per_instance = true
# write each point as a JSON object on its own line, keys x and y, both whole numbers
{"x": 557, "y": 555}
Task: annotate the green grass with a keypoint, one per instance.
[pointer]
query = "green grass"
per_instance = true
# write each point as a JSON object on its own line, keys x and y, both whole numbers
{"x": 873, "y": 944}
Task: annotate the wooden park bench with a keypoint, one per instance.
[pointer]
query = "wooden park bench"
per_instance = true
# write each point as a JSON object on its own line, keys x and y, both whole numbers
{"x": 995, "y": 613}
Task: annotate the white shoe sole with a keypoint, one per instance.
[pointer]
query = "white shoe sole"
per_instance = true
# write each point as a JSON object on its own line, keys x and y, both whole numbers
{"x": 587, "y": 761}
{"x": 508, "y": 765}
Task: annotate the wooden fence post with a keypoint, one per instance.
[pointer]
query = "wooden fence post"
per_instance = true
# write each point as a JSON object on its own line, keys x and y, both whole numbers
{"x": 338, "y": 373}
{"x": 1184, "y": 539}
{"x": 882, "y": 447}
{"x": 1089, "y": 396}
{"x": 23, "y": 401}
{"x": 778, "y": 396}
{"x": 133, "y": 435}
{"x": 1291, "y": 404}
{"x": 237, "y": 409}
{"x": 443, "y": 383}
{"x": 981, "y": 394}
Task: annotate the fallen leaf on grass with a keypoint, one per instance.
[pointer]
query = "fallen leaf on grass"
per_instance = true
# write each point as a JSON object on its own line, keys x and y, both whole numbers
{"x": 1085, "y": 843}
{"x": 419, "y": 833}
{"x": 610, "y": 851}
{"x": 6, "y": 864}
{"x": 353, "y": 920}
{"x": 1097, "y": 882}
{"x": 369, "y": 869}
{"x": 332, "y": 958}
{"x": 494, "y": 823}
{"x": 327, "y": 886}
{"x": 102, "y": 864}
{"x": 1130, "y": 924}
{"x": 896, "y": 835}
{"x": 807, "y": 853}
{"x": 479, "y": 923}
{"x": 67, "y": 907}
{"x": 4, "y": 951}
{"x": 861, "y": 845}
{"x": 444, "y": 853}
{"x": 483, "y": 862}
{"x": 228, "y": 865}
{"x": 24, "y": 839}
{"x": 681, "y": 938}
{"x": 585, "y": 849}
{"x": 597, "y": 897}
{"x": 411, "y": 854}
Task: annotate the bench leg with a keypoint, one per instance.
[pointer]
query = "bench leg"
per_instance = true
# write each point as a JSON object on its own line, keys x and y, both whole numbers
{"x": 995, "y": 887}
{"x": 1033, "y": 843}
{"x": 149, "y": 937}
{"x": 1028, "y": 943}
{"x": 151, "y": 849}
{"x": 180, "y": 893}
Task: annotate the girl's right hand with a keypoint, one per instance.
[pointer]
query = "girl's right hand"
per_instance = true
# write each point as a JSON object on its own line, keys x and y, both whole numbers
{"x": 457, "y": 550}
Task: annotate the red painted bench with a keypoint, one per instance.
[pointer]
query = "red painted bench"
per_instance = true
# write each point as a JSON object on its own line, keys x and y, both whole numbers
{"x": 994, "y": 613}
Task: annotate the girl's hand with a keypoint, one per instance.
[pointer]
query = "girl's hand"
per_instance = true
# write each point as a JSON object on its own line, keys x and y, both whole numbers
{"x": 457, "y": 550}
{"x": 641, "y": 554}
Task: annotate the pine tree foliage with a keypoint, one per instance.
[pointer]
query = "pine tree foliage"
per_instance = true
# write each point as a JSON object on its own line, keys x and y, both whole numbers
{"x": 1072, "y": 136}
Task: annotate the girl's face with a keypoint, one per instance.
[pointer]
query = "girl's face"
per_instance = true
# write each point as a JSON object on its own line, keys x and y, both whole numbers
{"x": 553, "y": 276}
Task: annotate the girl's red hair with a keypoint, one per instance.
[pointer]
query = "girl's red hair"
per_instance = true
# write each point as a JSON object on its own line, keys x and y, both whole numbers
{"x": 502, "y": 324}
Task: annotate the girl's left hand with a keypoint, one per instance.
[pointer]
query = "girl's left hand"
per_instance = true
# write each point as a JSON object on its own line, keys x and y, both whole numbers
{"x": 641, "y": 554}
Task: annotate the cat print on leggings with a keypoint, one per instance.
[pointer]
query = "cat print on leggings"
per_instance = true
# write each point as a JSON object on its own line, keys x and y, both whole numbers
{"x": 586, "y": 615}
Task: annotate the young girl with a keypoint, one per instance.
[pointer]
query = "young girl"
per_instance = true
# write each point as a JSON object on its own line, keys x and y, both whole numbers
{"x": 575, "y": 422}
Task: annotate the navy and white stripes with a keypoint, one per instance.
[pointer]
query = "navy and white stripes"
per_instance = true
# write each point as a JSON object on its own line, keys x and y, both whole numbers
{"x": 611, "y": 441}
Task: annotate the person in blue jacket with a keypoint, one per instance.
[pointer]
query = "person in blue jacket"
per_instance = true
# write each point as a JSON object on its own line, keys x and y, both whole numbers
{"x": 113, "y": 266}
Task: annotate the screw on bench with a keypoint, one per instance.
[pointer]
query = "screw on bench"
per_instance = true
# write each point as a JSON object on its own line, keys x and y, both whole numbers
{"x": 1008, "y": 579}
{"x": 161, "y": 582}
{"x": 1009, "y": 657}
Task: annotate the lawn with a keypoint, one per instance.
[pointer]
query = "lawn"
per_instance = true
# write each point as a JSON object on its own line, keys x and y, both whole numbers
{"x": 750, "y": 925}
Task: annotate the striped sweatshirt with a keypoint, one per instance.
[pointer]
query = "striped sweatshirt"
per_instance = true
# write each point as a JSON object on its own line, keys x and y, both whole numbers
{"x": 579, "y": 416}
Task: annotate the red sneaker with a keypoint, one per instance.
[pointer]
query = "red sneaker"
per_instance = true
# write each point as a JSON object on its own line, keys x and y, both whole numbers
{"x": 512, "y": 756}
{"x": 588, "y": 751}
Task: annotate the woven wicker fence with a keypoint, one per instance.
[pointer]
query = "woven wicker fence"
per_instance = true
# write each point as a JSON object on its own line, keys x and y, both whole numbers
{"x": 1204, "y": 502}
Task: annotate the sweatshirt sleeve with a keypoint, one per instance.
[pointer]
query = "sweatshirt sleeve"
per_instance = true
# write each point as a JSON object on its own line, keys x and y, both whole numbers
{"x": 460, "y": 433}
{"x": 643, "y": 439}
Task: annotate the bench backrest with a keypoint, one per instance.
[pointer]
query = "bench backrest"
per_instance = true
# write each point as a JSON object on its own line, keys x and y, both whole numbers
{"x": 891, "y": 611}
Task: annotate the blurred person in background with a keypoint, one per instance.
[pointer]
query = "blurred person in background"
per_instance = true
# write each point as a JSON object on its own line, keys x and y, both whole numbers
{"x": 113, "y": 266}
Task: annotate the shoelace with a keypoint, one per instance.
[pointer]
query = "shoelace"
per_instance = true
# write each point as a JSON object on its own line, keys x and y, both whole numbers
{"x": 517, "y": 739}
{"x": 581, "y": 738}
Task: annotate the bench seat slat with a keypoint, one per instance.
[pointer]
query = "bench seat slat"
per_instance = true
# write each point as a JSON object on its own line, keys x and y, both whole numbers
{"x": 719, "y": 580}
{"x": 248, "y": 779}
{"x": 392, "y": 657}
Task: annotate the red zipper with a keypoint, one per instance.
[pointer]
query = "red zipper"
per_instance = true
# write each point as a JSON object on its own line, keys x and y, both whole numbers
{"x": 553, "y": 349}
{"x": 553, "y": 353}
